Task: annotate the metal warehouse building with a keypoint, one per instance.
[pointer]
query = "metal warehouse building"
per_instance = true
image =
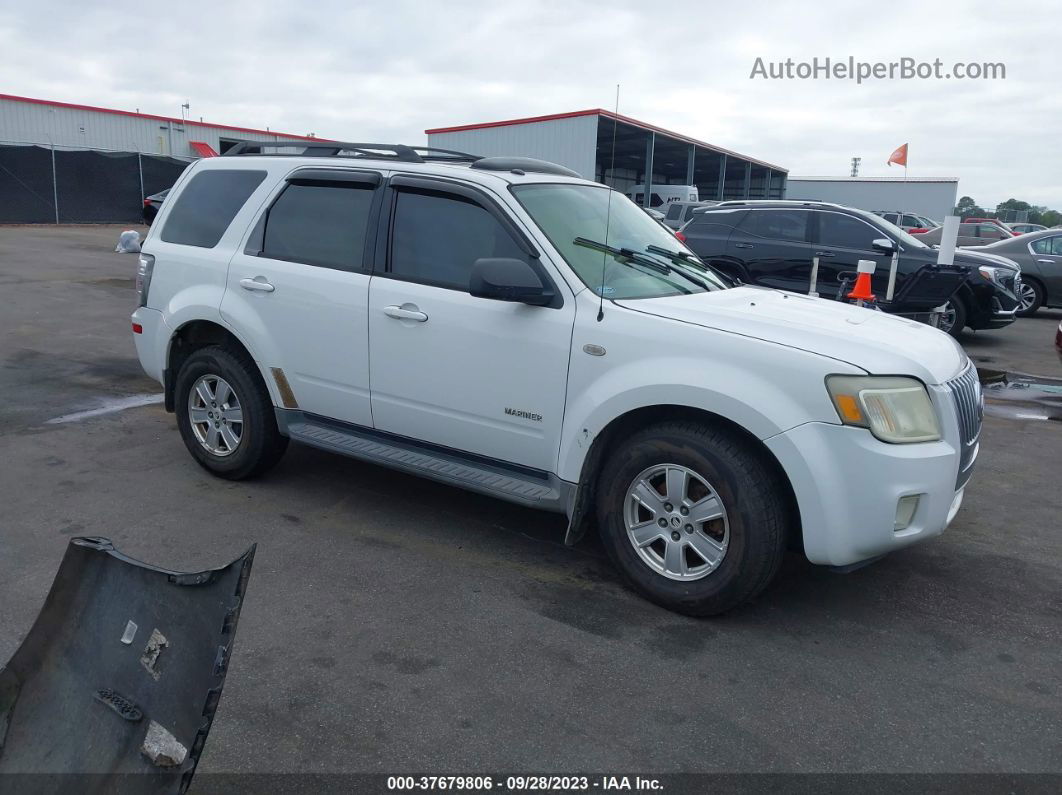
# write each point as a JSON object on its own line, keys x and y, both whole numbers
{"x": 64, "y": 163}
{"x": 45, "y": 123}
{"x": 934, "y": 197}
{"x": 582, "y": 141}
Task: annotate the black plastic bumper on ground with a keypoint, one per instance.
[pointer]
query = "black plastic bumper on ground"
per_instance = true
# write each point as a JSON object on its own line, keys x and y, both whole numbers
{"x": 121, "y": 674}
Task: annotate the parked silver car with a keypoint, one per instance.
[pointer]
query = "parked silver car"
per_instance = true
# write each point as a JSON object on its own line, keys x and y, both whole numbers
{"x": 678, "y": 213}
{"x": 908, "y": 222}
{"x": 1040, "y": 256}
{"x": 975, "y": 234}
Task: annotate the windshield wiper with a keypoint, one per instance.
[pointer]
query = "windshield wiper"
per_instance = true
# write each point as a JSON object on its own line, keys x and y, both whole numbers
{"x": 624, "y": 255}
{"x": 675, "y": 256}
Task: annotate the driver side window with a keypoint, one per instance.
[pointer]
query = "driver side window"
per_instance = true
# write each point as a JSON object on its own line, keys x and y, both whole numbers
{"x": 437, "y": 237}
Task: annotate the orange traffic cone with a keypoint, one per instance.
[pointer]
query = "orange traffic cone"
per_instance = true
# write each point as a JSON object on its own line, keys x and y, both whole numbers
{"x": 861, "y": 291}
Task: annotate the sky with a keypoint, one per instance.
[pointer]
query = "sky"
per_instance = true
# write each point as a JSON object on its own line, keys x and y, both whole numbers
{"x": 386, "y": 71}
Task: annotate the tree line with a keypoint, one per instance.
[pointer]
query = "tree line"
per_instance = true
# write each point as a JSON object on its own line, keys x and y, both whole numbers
{"x": 1010, "y": 210}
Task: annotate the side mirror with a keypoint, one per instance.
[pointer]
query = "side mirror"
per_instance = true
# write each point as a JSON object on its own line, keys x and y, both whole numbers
{"x": 506, "y": 279}
{"x": 884, "y": 245}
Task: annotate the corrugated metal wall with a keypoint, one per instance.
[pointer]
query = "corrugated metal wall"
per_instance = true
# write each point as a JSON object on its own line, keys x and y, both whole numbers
{"x": 567, "y": 142}
{"x": 28, "y": 122}
{"x": 935, "y": 199}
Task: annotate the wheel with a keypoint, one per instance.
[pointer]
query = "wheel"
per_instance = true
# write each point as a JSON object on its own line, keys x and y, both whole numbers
{"x": 1031, "y": 296}
{"x": 953, "y": 321}
{"x": 692, "y": 517}
{"x": 225, "y": 415}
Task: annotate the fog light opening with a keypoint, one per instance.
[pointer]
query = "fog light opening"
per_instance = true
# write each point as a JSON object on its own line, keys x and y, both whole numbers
{"x": 906, "y": 509}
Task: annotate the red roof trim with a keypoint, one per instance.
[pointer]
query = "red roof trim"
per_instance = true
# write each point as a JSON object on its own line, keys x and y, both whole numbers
{"x": 609, "y": 115}
{"x": 526, "y": 120}
{"x": 115, "y": 112}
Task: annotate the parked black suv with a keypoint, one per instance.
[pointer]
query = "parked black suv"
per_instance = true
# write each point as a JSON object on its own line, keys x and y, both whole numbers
{"x": 772, "y": 243}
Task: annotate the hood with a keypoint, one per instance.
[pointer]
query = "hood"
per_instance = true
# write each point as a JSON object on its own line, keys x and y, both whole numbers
{"x": 980, "y": 255}
{"x": 879, "y": 343}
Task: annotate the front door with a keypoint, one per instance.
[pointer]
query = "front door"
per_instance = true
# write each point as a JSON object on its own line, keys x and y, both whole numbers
{"x": 843, "y": 240}
{"x": 473, "y": 374}
{"x": 300, "y": 290}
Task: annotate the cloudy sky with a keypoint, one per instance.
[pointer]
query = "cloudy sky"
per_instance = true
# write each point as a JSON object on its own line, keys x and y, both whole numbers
{"x": 387, "y": 70}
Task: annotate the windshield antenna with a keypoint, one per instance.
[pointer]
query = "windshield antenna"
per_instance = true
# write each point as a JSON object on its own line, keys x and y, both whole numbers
{"x": 608, "y": 213}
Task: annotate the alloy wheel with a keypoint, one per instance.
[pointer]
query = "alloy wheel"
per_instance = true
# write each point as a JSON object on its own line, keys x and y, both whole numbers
{"x": 215, "y": 414}
{"x": 1027, "y": 297}
{"x": 676, "y": 522}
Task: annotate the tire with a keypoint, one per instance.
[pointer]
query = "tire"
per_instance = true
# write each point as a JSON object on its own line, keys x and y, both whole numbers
{"x": 958, "y": 323}
{"x": 258, "y": 442}
{"x": 719, "y": 462}
{"x": 1031, "y": 297}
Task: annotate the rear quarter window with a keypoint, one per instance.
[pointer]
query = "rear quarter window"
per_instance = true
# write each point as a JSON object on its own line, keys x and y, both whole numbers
{"x": 205, "y": 208}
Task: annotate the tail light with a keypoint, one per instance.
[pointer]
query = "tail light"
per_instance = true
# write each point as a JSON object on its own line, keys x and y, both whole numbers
{"x": 917, "y": 230}
{"x": 145, "y": 267}
{"x": 147, "y": 202}
{"x": 680, "y": 236}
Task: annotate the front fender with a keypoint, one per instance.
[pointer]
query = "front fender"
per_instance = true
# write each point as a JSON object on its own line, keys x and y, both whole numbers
{"x": 763, "y": 388}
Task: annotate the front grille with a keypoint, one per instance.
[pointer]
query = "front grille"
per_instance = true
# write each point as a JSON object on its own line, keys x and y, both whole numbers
{"x": 970, "y": 409}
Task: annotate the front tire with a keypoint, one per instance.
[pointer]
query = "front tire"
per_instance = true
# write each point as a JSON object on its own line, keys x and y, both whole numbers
{"x": 692, "y": 517}
{"x": 954, "y": 319}
{"x": 225, "y": 415}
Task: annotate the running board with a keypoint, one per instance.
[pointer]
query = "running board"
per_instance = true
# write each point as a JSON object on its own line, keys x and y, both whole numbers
{"x": 473, "y": 473}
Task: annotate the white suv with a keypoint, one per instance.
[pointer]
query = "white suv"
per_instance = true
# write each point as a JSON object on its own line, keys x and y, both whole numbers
{"x": 502, "y": 325}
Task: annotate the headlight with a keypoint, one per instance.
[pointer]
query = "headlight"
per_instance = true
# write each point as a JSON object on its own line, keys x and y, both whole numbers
{"x": 994, "y": 275}
{"x": 896, "y": 410}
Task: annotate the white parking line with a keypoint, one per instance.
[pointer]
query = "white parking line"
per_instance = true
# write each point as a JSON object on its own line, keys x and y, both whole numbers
{"x": 109, "y": 407}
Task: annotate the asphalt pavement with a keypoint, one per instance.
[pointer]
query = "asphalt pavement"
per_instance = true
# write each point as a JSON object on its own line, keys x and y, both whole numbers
{"x": 394, "y": 625}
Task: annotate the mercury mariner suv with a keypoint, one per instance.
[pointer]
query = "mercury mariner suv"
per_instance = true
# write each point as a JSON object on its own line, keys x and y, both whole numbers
{"x": 502, "y": 325}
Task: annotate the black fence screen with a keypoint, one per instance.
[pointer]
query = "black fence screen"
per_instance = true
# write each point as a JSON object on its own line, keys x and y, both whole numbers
{"x": 42, "y": 186}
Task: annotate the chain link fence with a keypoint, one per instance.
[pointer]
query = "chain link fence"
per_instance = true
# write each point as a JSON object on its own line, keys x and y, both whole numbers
{"x": 41, "y": 184}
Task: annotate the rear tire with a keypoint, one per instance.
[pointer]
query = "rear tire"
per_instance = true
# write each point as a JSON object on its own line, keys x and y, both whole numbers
{"x": 1031, "y": 296}
{"x": 685, "y": 564}
{"x": 225, "y": 414}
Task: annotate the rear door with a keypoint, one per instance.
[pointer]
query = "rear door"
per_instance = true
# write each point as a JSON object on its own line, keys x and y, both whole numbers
{"x": 774, "y": 247}
{"x": 300, "y": 289}
{"x": 1047, "y": 252}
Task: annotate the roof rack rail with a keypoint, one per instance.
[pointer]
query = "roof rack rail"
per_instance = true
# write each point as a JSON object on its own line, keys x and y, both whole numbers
{"x": 522, "y": 165}
{"x": 406, "y": 154}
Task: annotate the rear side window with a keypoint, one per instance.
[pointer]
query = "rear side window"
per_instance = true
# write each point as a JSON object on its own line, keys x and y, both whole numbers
{"x": 207, "y": 205}
{"x": 1049, "y": 245}
{"x": 321, "y": 224}
{"x": 789, "y": 225}
{"x": 844, "y": 231}
{"x": 910, "y": 220}
{"x": 437, "y": 237}
{"x": 674, "y": 210}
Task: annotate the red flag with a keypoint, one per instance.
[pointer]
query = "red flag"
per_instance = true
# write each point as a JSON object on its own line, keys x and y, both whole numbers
{"x": 899, "y": 157}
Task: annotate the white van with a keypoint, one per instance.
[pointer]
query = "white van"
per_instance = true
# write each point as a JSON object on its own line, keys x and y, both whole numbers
{"x": 664, "y": 194}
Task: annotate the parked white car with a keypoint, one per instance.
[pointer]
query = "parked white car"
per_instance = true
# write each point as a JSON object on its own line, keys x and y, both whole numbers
{"x": 661, "y": 195}
{"x": 467, "y": 320}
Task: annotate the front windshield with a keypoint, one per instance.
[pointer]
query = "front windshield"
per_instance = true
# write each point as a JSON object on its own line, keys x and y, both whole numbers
{"x": 639, "y": 257}
{"x": 896, "y": 232}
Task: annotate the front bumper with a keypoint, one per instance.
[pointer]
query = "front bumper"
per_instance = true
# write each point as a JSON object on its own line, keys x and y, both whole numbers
{"x": 151, "y": 341}
{"x": 848, "y": 484}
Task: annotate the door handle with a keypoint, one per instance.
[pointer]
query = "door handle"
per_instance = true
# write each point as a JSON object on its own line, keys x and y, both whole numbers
{"x": 743, "y": 245}
{"x": 257, "y": 284}
{"x": 825, "y": 254}
{"x": 405, "y": 312}
{"x": 1046, "y": 261}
